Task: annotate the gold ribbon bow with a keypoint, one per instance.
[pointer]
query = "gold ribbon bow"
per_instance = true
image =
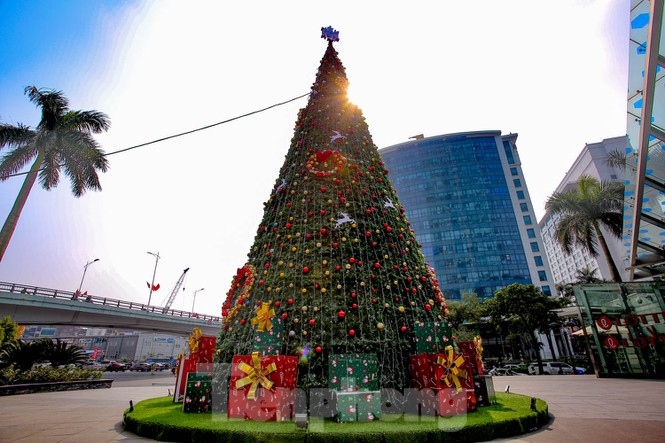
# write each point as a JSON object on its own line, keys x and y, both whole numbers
{"x": 255, "y": 375}
{"x": 451, "y": 365}
{"x": 263, "y": 315}
{"x": 194, "y": 340}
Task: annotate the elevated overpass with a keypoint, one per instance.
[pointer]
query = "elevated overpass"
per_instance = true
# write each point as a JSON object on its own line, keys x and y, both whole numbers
{"x": 32, "y": 305}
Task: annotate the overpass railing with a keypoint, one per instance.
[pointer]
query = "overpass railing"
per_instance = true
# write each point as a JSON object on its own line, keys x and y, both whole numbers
{"x": 76, "y": 297}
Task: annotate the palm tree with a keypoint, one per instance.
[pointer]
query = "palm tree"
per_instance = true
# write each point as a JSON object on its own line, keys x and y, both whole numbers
{"x": 60, "y": 353}
{"x": 583, "y": 210}
{"x": 61, "y": 140}
{"x": 586, "y": 275}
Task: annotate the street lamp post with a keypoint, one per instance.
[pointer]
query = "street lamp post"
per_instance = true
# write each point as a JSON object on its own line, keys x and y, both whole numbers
{"x": 194, "y": 300}
{"x": 152, "y": 284}
{"x": 85, "y": 268}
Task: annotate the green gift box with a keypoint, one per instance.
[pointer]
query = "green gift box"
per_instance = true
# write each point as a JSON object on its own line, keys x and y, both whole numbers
{"x": 353, "y": 372}
{"x": 198, "y": 393}
{"x": 269, "y": 342}
{"x": 432, "y": 336}
{"x": 358, "y": 406}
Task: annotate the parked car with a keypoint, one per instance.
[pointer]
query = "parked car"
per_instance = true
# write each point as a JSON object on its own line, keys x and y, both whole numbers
{"x": 140, "y": 367}
{"x": 115, "y": 366}
{"x": 552, "y": 368}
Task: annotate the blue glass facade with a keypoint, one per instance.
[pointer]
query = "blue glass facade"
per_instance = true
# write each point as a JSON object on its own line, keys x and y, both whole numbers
{"x": 458, "y": 193}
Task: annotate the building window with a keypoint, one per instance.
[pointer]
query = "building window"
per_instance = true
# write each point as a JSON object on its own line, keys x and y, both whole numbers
{"x": 531, "y": 233}
{"x": 539, "y": 260}
{"x": 542, "y": 276}
{"x": 524, "y": 207}
{"x": 520, "y": 195}
{"x": 534, "y": 246}
{"x": 527, "y": 220}
{"x": 513, "y": 171}
{"x": 546, "y": 290}
{"x": 517, "y": 182}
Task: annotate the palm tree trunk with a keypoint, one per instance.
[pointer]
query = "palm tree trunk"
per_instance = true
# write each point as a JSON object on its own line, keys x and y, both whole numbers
{"x": 12, "y": 219}
{"x": 614, "y": 271}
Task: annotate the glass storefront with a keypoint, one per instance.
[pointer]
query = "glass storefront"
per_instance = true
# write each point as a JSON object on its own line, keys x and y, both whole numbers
{"x": 624, "y": 327}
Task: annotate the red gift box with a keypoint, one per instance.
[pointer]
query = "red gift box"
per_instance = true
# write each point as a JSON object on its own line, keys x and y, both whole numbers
{"x": 469, "y": 351}
{"x": 185, "y": 366}
{"x": 449, "y": 402}
{"x": 206, "y": 351}
{"x": 453, "y": 371}
{"x": 422, "y": 367}
{"x": 263, "y": 387}
{"x": 440, "y": 371}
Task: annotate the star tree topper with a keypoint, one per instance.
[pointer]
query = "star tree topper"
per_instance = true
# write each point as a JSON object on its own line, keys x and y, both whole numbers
{"x": 330, "y": 34}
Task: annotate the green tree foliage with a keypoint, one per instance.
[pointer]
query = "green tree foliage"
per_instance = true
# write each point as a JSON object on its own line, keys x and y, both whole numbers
{"x": 24, "y": 355}
{"x": 8, "y": 331}
{"x": 21, "y": 354}
{"x": 583, "y": 210}
{"x": 60, "y": 353}
{"x": 465, "y": 315}
{"x": 334, "y": 257}
{"x": 521, "y": 310}
{"x": 61, "y": 141}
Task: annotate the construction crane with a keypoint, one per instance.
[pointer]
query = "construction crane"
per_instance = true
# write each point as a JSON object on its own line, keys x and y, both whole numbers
{"x": 176, "y": 288}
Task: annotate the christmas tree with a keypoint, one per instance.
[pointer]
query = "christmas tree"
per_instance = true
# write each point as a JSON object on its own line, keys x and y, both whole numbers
{"x": 334, "y": 268}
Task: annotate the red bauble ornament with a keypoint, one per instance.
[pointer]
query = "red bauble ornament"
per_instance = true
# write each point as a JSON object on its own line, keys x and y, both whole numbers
{"x": 377, "y": 265}
{"x": 352, "y": 260}
{"x": 243, "y": 321}
{"x": 341, "y": 314}
{"x": 318, "y": 349}
{"x": 312, "y": 322}
{"x": 290, "y": 301}
{"x": 323, "y": 231}
{"x": 352, "y": 332}
{"x": 305, "y": 270}
{"x": 278, "y": 304}
{"x": 354, "y": 295}
{"x": 285, "y": 316}
{"x": 403, "y": 328}
{"x": 354, "y": 306}
{"x": 338, "y": 267}
{"x": 335, "y": 244}
{"x": 428, "y": 308}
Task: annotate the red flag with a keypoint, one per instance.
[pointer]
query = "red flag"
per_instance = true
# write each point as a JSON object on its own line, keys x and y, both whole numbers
{"x": 147, "y": 284}
{"x": 155, "y": 287}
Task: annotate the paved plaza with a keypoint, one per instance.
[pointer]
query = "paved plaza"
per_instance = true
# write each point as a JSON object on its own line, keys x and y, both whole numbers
{"x": 582, "y": 408}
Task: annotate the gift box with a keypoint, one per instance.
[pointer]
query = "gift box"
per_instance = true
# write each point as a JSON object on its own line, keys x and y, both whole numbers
{"x": 432, "y": 336}
{"x": 206, "y": 352}
{"x": 274, "y": 405}
{"x": 470, "y": 352}
{"x": 484, "y": 389}
{"x": 263, "y": 387}
{"x": 353, "y": 372}
{"x": 446, "y": 402}
{"x": 184, "y": 368}
{"x": 358, "y": 406}
{"x": 269, "y": 341}
{"x": 453, "y": 371}
{"x": 422, "y": 368}
{"x": 198, "y": 393}
{"x": 439, "y": 371}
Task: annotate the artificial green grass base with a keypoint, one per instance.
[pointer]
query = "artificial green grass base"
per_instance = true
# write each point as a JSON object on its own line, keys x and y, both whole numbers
{"x": 163, "y": 420}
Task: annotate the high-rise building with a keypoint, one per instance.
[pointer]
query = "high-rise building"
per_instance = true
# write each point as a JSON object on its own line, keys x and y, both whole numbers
{"x": 644, "y": 210}
{"x": 592, "y": 161}
{"x": 466, "y": 198}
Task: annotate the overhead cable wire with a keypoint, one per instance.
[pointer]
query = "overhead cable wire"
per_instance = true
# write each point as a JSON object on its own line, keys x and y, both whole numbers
{"x": 186, "y": 132}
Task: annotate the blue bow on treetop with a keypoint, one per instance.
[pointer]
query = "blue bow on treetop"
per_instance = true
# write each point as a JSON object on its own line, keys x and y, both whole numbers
{"x": 330, "y": 34}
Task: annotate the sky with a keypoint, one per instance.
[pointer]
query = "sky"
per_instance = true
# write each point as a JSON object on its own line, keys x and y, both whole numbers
{"x": 555, "y": 73}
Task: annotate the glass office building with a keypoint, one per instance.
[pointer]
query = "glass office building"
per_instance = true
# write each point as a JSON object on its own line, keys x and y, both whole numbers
{"x": 644, "y": 208}
{"x": 466, "y": 199}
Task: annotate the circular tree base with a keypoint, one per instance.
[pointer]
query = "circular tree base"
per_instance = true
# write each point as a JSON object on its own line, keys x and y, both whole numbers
{"x": 163, "y": 420}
